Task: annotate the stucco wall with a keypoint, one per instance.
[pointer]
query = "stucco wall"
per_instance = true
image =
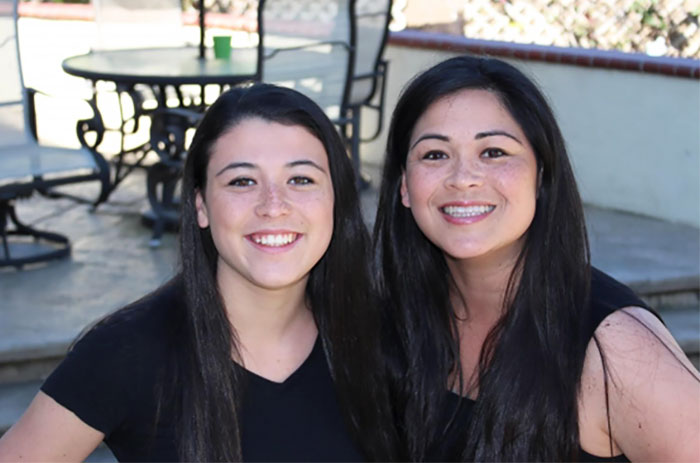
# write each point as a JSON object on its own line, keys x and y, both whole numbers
{"x": 634, "y": 138}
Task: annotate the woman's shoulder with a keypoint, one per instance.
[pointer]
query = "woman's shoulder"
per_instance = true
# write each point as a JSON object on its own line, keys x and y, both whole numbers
{"x": 637, "y": 376}
{"x": 629, "y": 336}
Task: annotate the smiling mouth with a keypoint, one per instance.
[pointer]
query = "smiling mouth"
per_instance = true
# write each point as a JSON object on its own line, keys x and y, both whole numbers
{"x": 466, "y": 211}
{"x": 274, "y": 240}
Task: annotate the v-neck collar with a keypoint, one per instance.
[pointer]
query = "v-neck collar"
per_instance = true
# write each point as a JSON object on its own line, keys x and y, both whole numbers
{"x": 316, "y": 351}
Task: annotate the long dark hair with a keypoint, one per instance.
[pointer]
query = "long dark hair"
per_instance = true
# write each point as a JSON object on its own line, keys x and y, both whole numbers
{"x": 531, "y": 363}
{"x": 208, "y": 428}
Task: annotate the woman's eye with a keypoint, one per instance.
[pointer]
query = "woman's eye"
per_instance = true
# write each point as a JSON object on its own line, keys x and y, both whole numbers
{"x": 434, "y": 155}
{"x": 300, "y": 180}
{"x": 493, "y": 153}
{"x": 242, "y": 181}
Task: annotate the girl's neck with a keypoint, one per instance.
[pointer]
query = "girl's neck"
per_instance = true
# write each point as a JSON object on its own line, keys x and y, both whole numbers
{"x": 263, "y": 316}
{"x": 275, "y": 329}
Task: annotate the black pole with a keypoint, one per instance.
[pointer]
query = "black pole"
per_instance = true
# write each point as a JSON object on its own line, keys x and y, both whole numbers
{"x": 201, "y": 28}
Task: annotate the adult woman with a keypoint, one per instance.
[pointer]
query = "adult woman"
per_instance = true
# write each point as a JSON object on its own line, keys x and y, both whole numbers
{"x": 479, "y": 204}
{"x": 241, "y": 354}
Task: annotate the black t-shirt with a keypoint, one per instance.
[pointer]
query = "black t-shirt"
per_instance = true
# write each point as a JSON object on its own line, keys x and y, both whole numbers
{"x": 607, "y": 296}
{"x": 112, "y": 377}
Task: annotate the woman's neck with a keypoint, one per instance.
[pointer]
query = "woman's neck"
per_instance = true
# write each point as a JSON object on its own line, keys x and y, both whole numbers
{"x": 479, "y": 286}
{"x": 477, "y": 295}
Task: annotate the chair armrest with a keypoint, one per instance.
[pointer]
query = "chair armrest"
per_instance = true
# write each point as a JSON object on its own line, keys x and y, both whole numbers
{"x": 92, "y": 123}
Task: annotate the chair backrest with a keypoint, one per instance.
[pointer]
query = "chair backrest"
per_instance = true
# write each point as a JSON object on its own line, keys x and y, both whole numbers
{"x": 371, "y": 27}
{"x": 13, "y": 117}
{"x": 138, "y": 24}
{"x": 307, "y": 45}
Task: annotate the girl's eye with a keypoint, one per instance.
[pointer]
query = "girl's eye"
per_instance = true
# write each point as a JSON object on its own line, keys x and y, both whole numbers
{"x": 242, "y": 182}
{"x": 300, "y": 180}
{"x": 493, "y": 153}
{"x": 434, "y": 155}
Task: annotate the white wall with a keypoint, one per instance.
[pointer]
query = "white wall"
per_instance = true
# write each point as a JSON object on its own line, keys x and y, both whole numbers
{"x": 634, "y": 138}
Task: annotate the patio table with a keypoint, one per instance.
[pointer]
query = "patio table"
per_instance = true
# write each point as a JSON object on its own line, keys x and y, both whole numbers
{"x": 163, "y": 66}
{"x": 157, "y": 68}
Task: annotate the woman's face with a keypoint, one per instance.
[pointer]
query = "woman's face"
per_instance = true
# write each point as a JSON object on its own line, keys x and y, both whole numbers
{"x": 268, "y": 203}
{"x": 471, "y": 177}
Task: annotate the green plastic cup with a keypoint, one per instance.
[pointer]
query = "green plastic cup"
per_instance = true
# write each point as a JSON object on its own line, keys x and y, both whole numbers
{"x": 222, "y": 46}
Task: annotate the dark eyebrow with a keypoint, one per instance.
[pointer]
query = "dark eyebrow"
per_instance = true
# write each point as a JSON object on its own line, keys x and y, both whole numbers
{"x": 494, "y": 133}
{"x": 250, "y": 165}
{"x": 236, "y": 165}
{"x": 305, "y": 162}
{"x": 429, "y": 136}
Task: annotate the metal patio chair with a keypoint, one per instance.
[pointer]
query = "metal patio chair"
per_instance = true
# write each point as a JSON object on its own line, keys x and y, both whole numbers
{"x": 308, "y": 45}
{"x": 26, "y": 166}
{"x": 372, "y": 19}
{"x": 331, "y": 51}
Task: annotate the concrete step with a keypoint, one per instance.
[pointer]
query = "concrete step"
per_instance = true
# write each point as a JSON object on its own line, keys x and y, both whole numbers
{"x": 14, "y": 399}
{"x": 659, "y": 260}
{"x": 684, "y": 325}
{"x": 32, "y": 361}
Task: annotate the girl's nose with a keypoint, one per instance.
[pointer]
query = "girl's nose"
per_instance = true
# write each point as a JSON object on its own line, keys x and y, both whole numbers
{"x": 272, "y": 202}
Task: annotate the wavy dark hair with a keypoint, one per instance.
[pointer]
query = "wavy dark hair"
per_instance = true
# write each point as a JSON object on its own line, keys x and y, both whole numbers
{"x": 208, "y": 388}
{"x": 530, "y": 366}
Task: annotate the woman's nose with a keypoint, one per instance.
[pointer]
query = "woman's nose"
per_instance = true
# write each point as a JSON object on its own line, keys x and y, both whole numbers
{"x": 272, "y": 202}
{"x": 466, "y": 173}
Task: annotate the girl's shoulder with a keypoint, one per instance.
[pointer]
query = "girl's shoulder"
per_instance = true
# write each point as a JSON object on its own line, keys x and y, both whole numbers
{"x": 147, "y": 322}
{"x": 110, "y": 375}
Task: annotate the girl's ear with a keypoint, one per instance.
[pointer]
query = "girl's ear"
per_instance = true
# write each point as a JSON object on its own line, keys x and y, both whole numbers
{"x": 202, "y": 215}
{"x": 405, "y": 200}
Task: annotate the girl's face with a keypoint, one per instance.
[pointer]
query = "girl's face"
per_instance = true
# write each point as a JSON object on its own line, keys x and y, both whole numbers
{"x": 268, "y": 203}
{"x": 471, "y": 177}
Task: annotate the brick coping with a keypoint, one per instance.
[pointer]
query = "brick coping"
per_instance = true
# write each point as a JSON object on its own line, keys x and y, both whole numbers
{"x": 607, "y": 59}
{"x": 639, "y": 62}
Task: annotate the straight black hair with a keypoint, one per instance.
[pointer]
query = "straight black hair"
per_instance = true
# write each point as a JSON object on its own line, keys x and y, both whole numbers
{"x": 206, "y": 386}
{"x": 531, "y": 363}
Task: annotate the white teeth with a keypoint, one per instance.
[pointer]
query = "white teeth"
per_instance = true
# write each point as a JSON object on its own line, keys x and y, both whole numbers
{"x": 275, "y": 240}
{"x": 467, "y": 211}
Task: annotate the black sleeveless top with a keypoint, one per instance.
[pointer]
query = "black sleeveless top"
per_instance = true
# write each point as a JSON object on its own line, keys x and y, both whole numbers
{"x": 607, "y": 296}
